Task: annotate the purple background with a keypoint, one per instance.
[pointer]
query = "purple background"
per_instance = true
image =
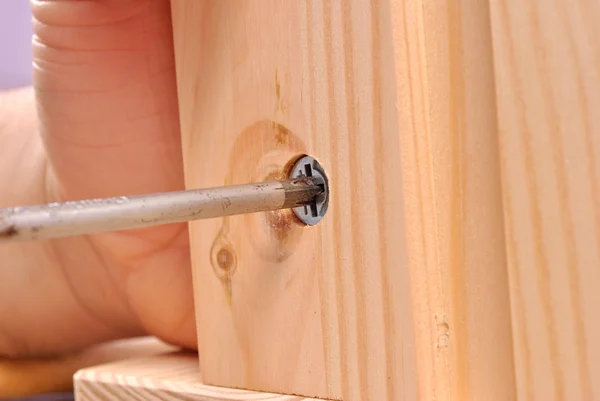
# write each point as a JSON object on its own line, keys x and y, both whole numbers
{"x": 15, "y": 44}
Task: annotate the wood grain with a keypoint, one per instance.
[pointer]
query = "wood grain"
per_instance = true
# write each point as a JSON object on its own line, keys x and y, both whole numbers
{"x": 171, "y": 377}
{"x": 395, "y": 98}
{"x": 322, "y": 311}
{"x": 547, "y": 63}
{"x": 450, "y": 167}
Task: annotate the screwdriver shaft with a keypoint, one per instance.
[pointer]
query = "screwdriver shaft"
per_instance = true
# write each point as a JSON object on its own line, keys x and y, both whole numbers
{"x": 112, "y": 214}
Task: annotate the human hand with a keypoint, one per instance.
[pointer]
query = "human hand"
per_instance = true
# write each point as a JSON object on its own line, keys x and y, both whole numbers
{"x": 104, "y": 79}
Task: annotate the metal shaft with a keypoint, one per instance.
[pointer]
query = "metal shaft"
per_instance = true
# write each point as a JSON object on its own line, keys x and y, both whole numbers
{"x": 113, "y": 214}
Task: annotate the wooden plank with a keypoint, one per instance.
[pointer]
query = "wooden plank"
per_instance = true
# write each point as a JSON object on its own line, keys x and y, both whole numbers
{"x": 395, "y": 98}
{"x": 547, "y": 63}
{"x": 173, "y": 376}
{"x": 451, "y": 181}
{"x": 322, "y": 311}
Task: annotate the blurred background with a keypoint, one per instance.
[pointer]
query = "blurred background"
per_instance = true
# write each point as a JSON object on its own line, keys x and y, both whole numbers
{"x": 15, "y": 44}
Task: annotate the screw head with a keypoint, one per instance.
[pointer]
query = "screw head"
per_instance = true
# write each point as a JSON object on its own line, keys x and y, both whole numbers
{"x": 312, "y": 213}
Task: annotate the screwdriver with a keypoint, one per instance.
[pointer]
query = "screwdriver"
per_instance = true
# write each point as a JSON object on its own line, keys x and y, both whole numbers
{"x": 112, "y": 214}
{"x": 306, "y": 192}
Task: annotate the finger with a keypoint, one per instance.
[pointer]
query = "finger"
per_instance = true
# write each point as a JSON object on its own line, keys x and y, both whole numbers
{"x": 105, "y": 82}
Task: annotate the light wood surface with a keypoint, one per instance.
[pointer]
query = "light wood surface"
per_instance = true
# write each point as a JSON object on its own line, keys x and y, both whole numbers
{"x": 451, "y": 179}
{"x": 396, "y": 99}
{"x": 547, "y": 63}
{"x": 322, "y": 311}
{"x": 171, "y": 377}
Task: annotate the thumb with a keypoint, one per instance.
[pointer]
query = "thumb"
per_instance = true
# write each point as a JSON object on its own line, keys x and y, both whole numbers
{"x": 107, "y": 103}
{"x": 105, "y": 84}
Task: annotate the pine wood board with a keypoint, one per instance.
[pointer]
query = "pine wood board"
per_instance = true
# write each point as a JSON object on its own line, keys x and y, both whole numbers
{"x": 169, "y": 376}
{"x": 395, "y": 99}
{"x": 547, "y": 67}
{"x": 449, "y": 149}
{"x": 322, "y": 311}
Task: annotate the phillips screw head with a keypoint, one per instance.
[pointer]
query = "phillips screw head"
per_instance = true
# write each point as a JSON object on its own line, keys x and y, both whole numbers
{"x": 312, "y": 212}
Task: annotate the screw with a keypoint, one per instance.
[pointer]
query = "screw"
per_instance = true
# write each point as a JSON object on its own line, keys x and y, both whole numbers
{"x": 312, "y": 212}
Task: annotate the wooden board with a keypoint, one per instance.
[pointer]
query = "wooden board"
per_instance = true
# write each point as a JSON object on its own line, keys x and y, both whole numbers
{"x": 547, "y": 63}
{"x": 451, "y": 185}
{"x": 173, "y": 376}
{"x": 394, "y": 98}
{"x": 322, "y": 311}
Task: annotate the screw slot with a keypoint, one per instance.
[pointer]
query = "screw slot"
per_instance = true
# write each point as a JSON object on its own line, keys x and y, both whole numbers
{"x": 312, "y": 213}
